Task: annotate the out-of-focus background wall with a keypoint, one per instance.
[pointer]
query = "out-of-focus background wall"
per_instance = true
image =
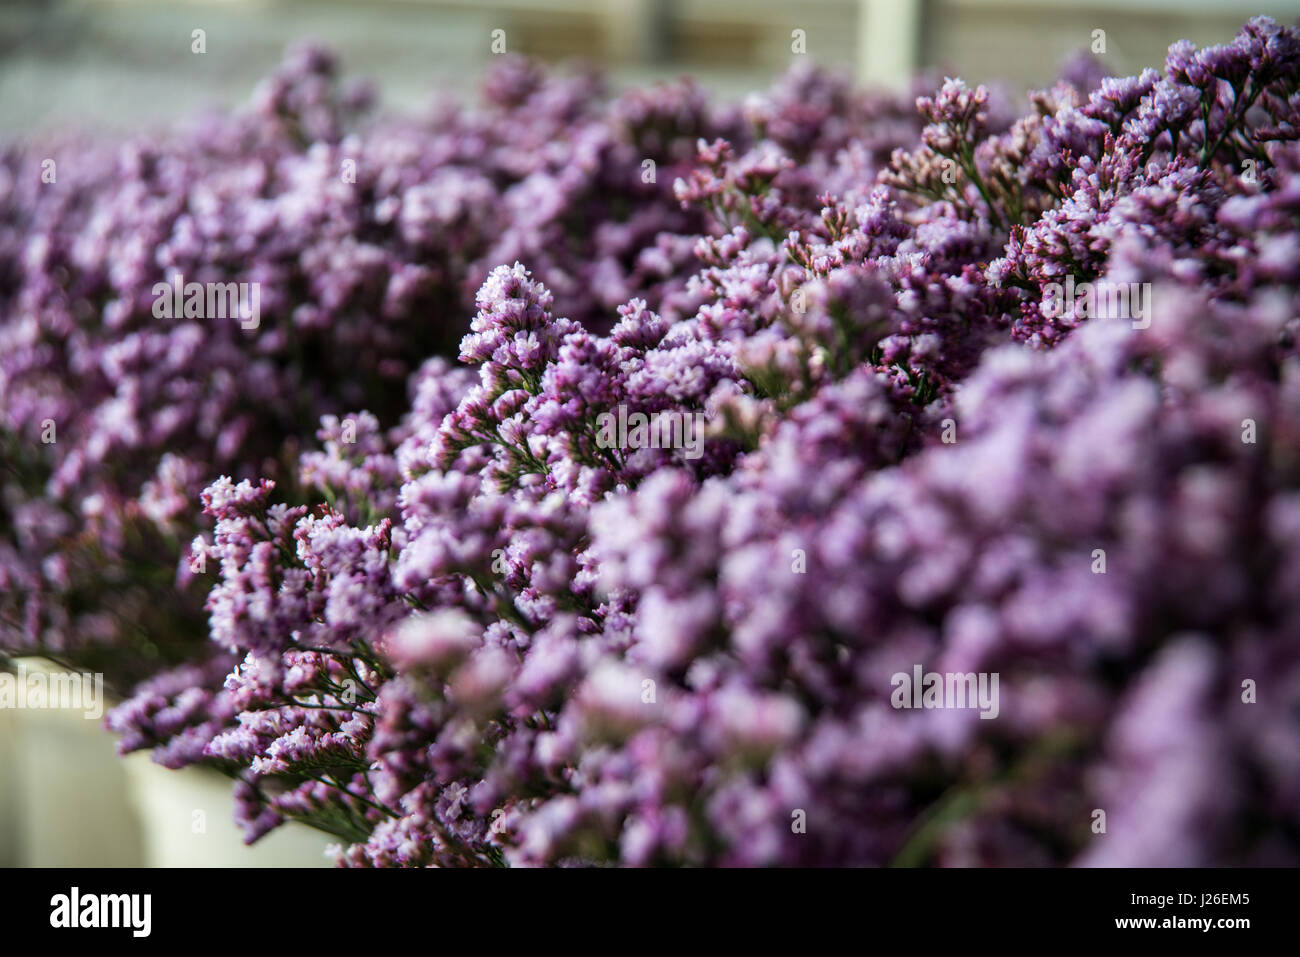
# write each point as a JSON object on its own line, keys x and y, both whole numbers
{"x": 129, "y": 64}
{"x": 124, "y": 63}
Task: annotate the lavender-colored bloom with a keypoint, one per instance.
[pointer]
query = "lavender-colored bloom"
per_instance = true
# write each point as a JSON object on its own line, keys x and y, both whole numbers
{"x": 498, "y": 639}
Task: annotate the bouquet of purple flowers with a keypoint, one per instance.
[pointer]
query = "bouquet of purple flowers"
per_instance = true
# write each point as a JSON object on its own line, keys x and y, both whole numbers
{"x": 840, "y": 479}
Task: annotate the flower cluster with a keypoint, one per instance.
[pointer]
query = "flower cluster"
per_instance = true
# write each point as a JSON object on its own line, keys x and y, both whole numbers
{"x": 365, "y": 239}
{"x": 491, "y": 635}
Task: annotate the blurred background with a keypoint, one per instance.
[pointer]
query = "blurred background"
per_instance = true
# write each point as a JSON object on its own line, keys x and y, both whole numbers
{"x": 65, "y": 799}
{"x": 123, "y": 63}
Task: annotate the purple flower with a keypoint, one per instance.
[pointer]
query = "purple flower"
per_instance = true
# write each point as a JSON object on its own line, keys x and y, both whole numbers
{"x": 932, "y": 442}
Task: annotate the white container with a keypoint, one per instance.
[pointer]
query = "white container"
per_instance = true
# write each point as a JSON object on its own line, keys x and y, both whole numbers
{"x": 63, "y": 796}
{"x": 68, "y": 800}
{"x": 187, "y": 822}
